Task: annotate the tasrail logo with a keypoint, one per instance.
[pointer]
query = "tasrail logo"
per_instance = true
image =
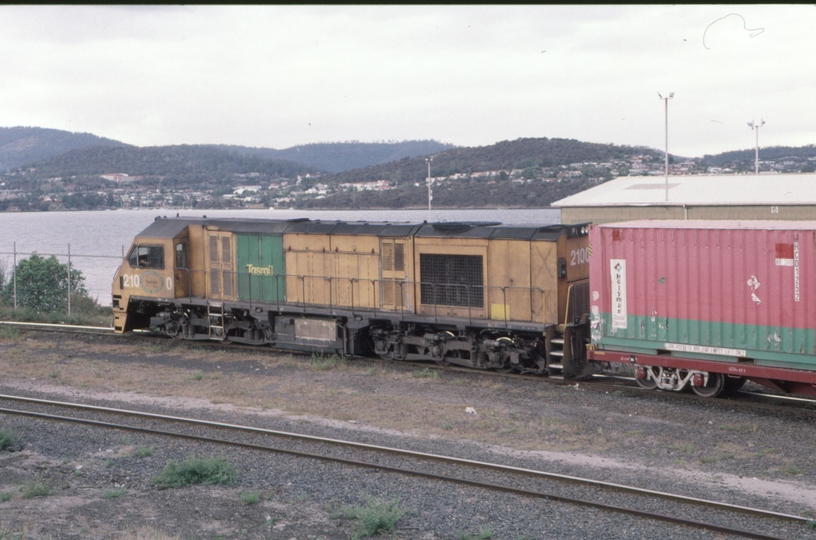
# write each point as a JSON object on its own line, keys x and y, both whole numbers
{"x": 261, "y": 270}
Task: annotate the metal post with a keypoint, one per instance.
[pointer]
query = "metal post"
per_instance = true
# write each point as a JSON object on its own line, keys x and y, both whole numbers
{"x": 430, "y": 194}
{"x": 666, "y": 101}
{"x": 756, "y": 127}
{"x": 69, "y": 279}
{"x": 14, "y": 275}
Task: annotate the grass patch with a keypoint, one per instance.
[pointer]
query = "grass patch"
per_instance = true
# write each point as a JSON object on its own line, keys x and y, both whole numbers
{"x": 486, "y": 534}
{"x": 327, "y": 363}
{"x": 715, "y": 459}
{"x": 6, "y": 496}
{"x": 739, "y": 428}
{"x": 35, "y": 488}
{"x": 791, "y": 469}
{"x": 376, "y": 516}
{"x": 113, "y": 493}
{"x": 686, "y": 448}
{"x": 198, "y": 375}
{"x": 250, "y": 497}
{"x": 196, "y": 471}
{"x": 9, "y": 333}
{"x": 143, "y": 451}
{"x": 9, "y": 441}
{"x": 425, "y": 373}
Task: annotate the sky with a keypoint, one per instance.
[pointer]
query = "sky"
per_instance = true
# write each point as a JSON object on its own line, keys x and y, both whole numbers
{"x": 281, "y": 76}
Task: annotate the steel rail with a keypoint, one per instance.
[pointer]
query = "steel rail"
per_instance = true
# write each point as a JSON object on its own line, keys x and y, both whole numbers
{"x": 417, "y": 473}
{"x": 57, "y": 327}
{"x": 422, "y": 455}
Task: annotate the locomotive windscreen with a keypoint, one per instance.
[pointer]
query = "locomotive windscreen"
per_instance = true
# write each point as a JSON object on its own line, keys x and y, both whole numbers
{"x": 451, "y": 280}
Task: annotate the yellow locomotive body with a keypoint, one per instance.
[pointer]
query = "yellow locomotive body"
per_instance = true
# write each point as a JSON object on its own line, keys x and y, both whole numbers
{"x": 472, "y": 294}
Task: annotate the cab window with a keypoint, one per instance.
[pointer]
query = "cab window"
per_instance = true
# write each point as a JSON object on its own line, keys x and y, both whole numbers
{"x": 146, "y": 257}
{"x": 181, "y": 255}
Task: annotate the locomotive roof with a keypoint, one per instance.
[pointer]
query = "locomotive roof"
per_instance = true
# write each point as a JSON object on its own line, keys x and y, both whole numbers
{"x": 172, "y": 227}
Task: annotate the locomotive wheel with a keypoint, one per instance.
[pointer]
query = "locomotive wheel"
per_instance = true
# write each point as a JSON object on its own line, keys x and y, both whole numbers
{"x": 647, "y": 384}
{"x": 716, "y": 383}
{"x": 733, "y": 385}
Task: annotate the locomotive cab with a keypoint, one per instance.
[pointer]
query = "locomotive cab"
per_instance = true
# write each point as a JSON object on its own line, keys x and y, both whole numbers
{"x": 153, "y": 270}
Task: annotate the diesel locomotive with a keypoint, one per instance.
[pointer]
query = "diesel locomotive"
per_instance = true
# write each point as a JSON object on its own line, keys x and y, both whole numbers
{"x": 480, "y": 295}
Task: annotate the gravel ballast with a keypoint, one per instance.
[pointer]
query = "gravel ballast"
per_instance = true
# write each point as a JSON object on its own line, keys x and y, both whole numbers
{"x": 100, "y": 482}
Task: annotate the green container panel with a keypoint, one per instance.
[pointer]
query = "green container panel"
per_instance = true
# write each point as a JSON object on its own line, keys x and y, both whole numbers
{"x": 261, "y": 268}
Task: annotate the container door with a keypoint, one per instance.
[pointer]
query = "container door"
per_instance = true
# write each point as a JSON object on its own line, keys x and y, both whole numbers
{"x": 221, "y": 278}
{"x": 261, "y": 268}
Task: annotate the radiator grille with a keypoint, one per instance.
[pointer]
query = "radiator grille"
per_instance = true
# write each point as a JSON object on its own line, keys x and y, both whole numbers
{"x": 451, "y": 280}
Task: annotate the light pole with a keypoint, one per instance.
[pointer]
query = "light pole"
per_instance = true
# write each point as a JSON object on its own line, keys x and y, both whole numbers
{"x": 430, "y": 194}
{"x": 756, "y": 127}
{"x": 666, "y": 101}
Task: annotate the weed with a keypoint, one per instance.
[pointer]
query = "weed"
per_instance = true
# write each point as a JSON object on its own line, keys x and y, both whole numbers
{"x": 250, "y": 497}
{"x": 738, "y": 428}
{"x": 143, "y": 451}
{"x": 619, "y": 393}
{"x": 375, "y": 517}
{"x": 686, "y": 448}
{"x": 715, "y": 459}
{"x": 55, "y": 374}
{"x": 35, "y": 488}
{"x": 372, "y": 371}
{"x": 11, "y": 334}
{"x": 425, "y": 373}
{"x": 791, "y": 469}
{"x": 109, "y": 463}
{"x": 198, "y": 375}
{"x": 447, "y": 427}
{"x": 196, "y": 471}
{"x": 484, "y": 534}
{"x": 113, "y": 493}
{"x": 6, "y": 496}
{"x": 327, "y": 363}
{"x": 9, "y": 441}
{"x": 812, "y": 524}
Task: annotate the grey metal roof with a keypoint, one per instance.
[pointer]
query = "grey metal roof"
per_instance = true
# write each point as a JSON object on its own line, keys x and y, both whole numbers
{"x": 167, "y": 228}
{"x": 708, "y": 190}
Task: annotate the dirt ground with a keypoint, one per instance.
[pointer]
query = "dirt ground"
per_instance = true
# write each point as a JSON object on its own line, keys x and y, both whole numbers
{"x": 528, "y": 418}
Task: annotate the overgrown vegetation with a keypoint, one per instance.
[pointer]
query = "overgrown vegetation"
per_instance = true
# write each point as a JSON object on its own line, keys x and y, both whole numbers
{"x": 36, "y": 488}
{"x": 41, "y": 286}
{"x": 209, "y": 471}
{"x": 326, "y": 363}
{"x": 113, "y": 493}
{"x": 376, "y": 516}
{"x": 250, "y": 497}
{"x": 9, "y": 441}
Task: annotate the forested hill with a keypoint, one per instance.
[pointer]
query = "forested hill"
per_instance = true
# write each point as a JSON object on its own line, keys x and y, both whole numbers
{"x": 770, "y": 153}
{"x": 505, "y": 155}
{"x": 23, "y": 145}
{"x": 181, "y": 160}
{"x": 345, "y": 156}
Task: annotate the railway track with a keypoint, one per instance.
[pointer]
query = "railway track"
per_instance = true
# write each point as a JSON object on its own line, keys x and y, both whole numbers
{"x": 687, "y": 511}
{"x": 603, "y": 382}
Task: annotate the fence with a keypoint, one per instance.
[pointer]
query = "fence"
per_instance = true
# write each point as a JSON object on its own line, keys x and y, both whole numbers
{"x": 69, "y": 255}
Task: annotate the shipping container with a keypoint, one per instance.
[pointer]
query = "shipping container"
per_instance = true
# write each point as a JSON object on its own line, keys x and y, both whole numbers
{"x": 734, "y": 292}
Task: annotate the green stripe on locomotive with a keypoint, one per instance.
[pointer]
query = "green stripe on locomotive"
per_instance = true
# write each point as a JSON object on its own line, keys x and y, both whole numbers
{"x": 768, "y": 345}
{"x": 261, "y": 268}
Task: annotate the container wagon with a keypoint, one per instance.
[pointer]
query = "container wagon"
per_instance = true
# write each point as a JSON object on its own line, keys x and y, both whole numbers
{"x": 481, "y": 295}
{"x": 706, "y": 304}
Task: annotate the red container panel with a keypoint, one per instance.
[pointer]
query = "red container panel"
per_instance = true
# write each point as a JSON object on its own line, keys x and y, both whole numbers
{"x": 725, "y": 290}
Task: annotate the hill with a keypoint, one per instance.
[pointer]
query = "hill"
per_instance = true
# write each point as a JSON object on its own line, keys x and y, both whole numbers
{"x": 346, "y": 156}
{"x": 745, "y": 158}
{"x": 23, "y": 145}
{"x": 525, "y": 173}
{"x": 182, "y": 164}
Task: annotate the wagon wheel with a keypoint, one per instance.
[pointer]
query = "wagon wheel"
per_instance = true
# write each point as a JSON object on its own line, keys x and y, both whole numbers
{"x": 647, "y": 384}
{"x": 716, "y": 383}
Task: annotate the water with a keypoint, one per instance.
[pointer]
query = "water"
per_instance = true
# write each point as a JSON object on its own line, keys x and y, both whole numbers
{"x": 106, "y": 235}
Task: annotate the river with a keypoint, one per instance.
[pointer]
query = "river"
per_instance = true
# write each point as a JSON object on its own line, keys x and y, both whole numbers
{"x": 98, "y": 239}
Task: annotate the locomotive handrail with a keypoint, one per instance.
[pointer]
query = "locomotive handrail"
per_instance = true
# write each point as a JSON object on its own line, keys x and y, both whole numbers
{"x": 467, "y": 298}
